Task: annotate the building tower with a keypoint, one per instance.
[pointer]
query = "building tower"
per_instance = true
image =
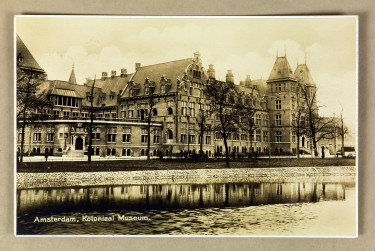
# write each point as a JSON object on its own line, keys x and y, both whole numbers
{"x": 72, "y": 78}
{"x": 281, "y": 86}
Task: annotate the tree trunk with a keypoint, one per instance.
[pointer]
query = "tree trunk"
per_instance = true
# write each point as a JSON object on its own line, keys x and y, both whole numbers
{"x": 91, "y": 121}
{"x": 298, "y": 145}
{"x": 148, "y": 137}
{"x": 226, "y": 151}
{"x": 201, "y": 136}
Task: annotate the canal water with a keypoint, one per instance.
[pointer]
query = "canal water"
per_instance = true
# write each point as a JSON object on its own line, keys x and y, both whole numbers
{"x": 249, "y": 208}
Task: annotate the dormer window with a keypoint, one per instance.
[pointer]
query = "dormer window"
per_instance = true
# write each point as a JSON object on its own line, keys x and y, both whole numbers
{"x": 162, "y": 89}
{"x": 147, "y": 91}
{"x": 111, "y": 97}
{"x": 102, "y": 99}
{"x": 131, "y": 93}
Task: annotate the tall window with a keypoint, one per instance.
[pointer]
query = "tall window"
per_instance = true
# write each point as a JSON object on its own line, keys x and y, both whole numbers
{"x": 144, "y": 136}
{"x": 278, "y": 104}
{"x": 293, "y": 136}
{"x": 257, "y": 135}
{"x": 208, "y": 111}
{"x": 192, "y": 109}
{"x": 184, "y": 108}
{"x": 126, "y": 135}
{"x": 265, "y": 136}
{"x": 111, "y": 134}
{"x": 169, "y": 134}
{"x": 278, "y": 136}
{"x": 183, "y": 138}
{"x": 258, "y": 119}
{"x": 278, "y": 119}
{"x": 208, "y": 140}
{"x": 131, "y": 111}
{"x": 96, "y": 134}
{"x": 157, "y": 134}
{"x": 66, "y": 101}
{"x": 37, "y": 137}
{"x": 162, "y": 89}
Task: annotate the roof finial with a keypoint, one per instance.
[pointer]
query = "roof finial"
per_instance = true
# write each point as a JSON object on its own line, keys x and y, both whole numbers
{"x": 285, "y": 49}
{"x": 73, "y": 66}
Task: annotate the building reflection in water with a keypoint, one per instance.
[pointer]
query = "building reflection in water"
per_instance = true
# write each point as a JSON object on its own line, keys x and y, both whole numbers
{"x": 176, "y": 196}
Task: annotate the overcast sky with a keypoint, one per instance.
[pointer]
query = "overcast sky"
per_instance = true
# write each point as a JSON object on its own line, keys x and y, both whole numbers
{"x": 244, "y": 45}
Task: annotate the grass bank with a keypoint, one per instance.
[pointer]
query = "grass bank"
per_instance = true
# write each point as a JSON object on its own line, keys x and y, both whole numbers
{"x": 139, "y": 165}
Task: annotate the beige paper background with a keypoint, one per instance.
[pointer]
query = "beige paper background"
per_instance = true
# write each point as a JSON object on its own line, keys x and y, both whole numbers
{"x": 365, "y": 10}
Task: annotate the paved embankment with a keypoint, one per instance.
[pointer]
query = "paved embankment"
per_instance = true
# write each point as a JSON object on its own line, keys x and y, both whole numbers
{"x": 288, "y": 174}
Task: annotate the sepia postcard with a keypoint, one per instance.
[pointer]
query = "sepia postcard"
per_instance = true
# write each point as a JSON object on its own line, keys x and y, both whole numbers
{"x": 186, "y": 126}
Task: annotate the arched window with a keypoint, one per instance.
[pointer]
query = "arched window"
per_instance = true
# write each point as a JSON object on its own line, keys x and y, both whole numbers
{"x": 108, "y": 151}
{"x": 142, "y": 152}
{"x": 169, "y": 134}
{"x": 154, "y": 112}
{"x": 170, "y": 111}
{"x": 128, "y": 152}
{"x": 113, "y": 152}
{"x": 123, "y": 152}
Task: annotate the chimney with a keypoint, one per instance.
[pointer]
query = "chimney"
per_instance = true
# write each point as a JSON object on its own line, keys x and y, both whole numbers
{"x": 230, "y": 77}
{"x": 124, "y": 73}
{"x": 104, "y": 75}
{"x": 137, "y": 66}
{"x": 248, "y": 81}
{"x": 113, "y": 74}
{"x": 211, "y": 71}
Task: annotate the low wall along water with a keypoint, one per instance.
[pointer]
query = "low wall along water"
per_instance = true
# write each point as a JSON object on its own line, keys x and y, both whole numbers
{"x": 199, "y": 176}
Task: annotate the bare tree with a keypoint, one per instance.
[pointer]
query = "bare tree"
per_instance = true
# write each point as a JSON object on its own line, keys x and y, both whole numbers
{"x": 318, "y": 127}
{"x": 151, "y": 105}
{"x": 91, "y": 125}
{"x": 222, "y": 95}
{"x": 203, "y": 126}
{"x": 29, "y": 102}
{"x": 298, "y": 124}
{"x": 247, "y": 122}
{"x": 342, "y": 132}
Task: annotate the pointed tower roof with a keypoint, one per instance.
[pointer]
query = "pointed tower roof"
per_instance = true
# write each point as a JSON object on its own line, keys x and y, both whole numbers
{"x": 281, "y": 70}
{"x": 72, "y": 78}
{"x": 302, "y": 73}
{"x": 24, "y": 57}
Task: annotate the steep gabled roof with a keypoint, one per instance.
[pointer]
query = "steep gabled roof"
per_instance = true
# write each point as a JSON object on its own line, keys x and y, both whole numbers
{"x": 302, "y": 73}
{"x": 24, "y": 57}
{"x": 281, "y": 70}
{"x": 171, "y": 70}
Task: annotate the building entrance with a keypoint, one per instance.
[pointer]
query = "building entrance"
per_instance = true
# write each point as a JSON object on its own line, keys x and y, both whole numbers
{"x": 79, "y": 143}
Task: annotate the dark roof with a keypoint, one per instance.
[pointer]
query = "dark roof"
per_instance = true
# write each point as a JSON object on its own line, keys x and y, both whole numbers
{"x": 28, "y": 61}
{"x": 281, "y": 70}
{"x": 110, "y": 86}
{"x": 302, "y": 73}
{"x": 261, "y": 86}
{"x": 170, "y": 70}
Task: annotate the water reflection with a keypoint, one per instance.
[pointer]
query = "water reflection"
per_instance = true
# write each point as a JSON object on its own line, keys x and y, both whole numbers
{"x": 174, "y": 196}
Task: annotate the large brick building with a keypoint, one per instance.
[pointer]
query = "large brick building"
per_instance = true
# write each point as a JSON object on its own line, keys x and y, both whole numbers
{"x": 121, "y": 104}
